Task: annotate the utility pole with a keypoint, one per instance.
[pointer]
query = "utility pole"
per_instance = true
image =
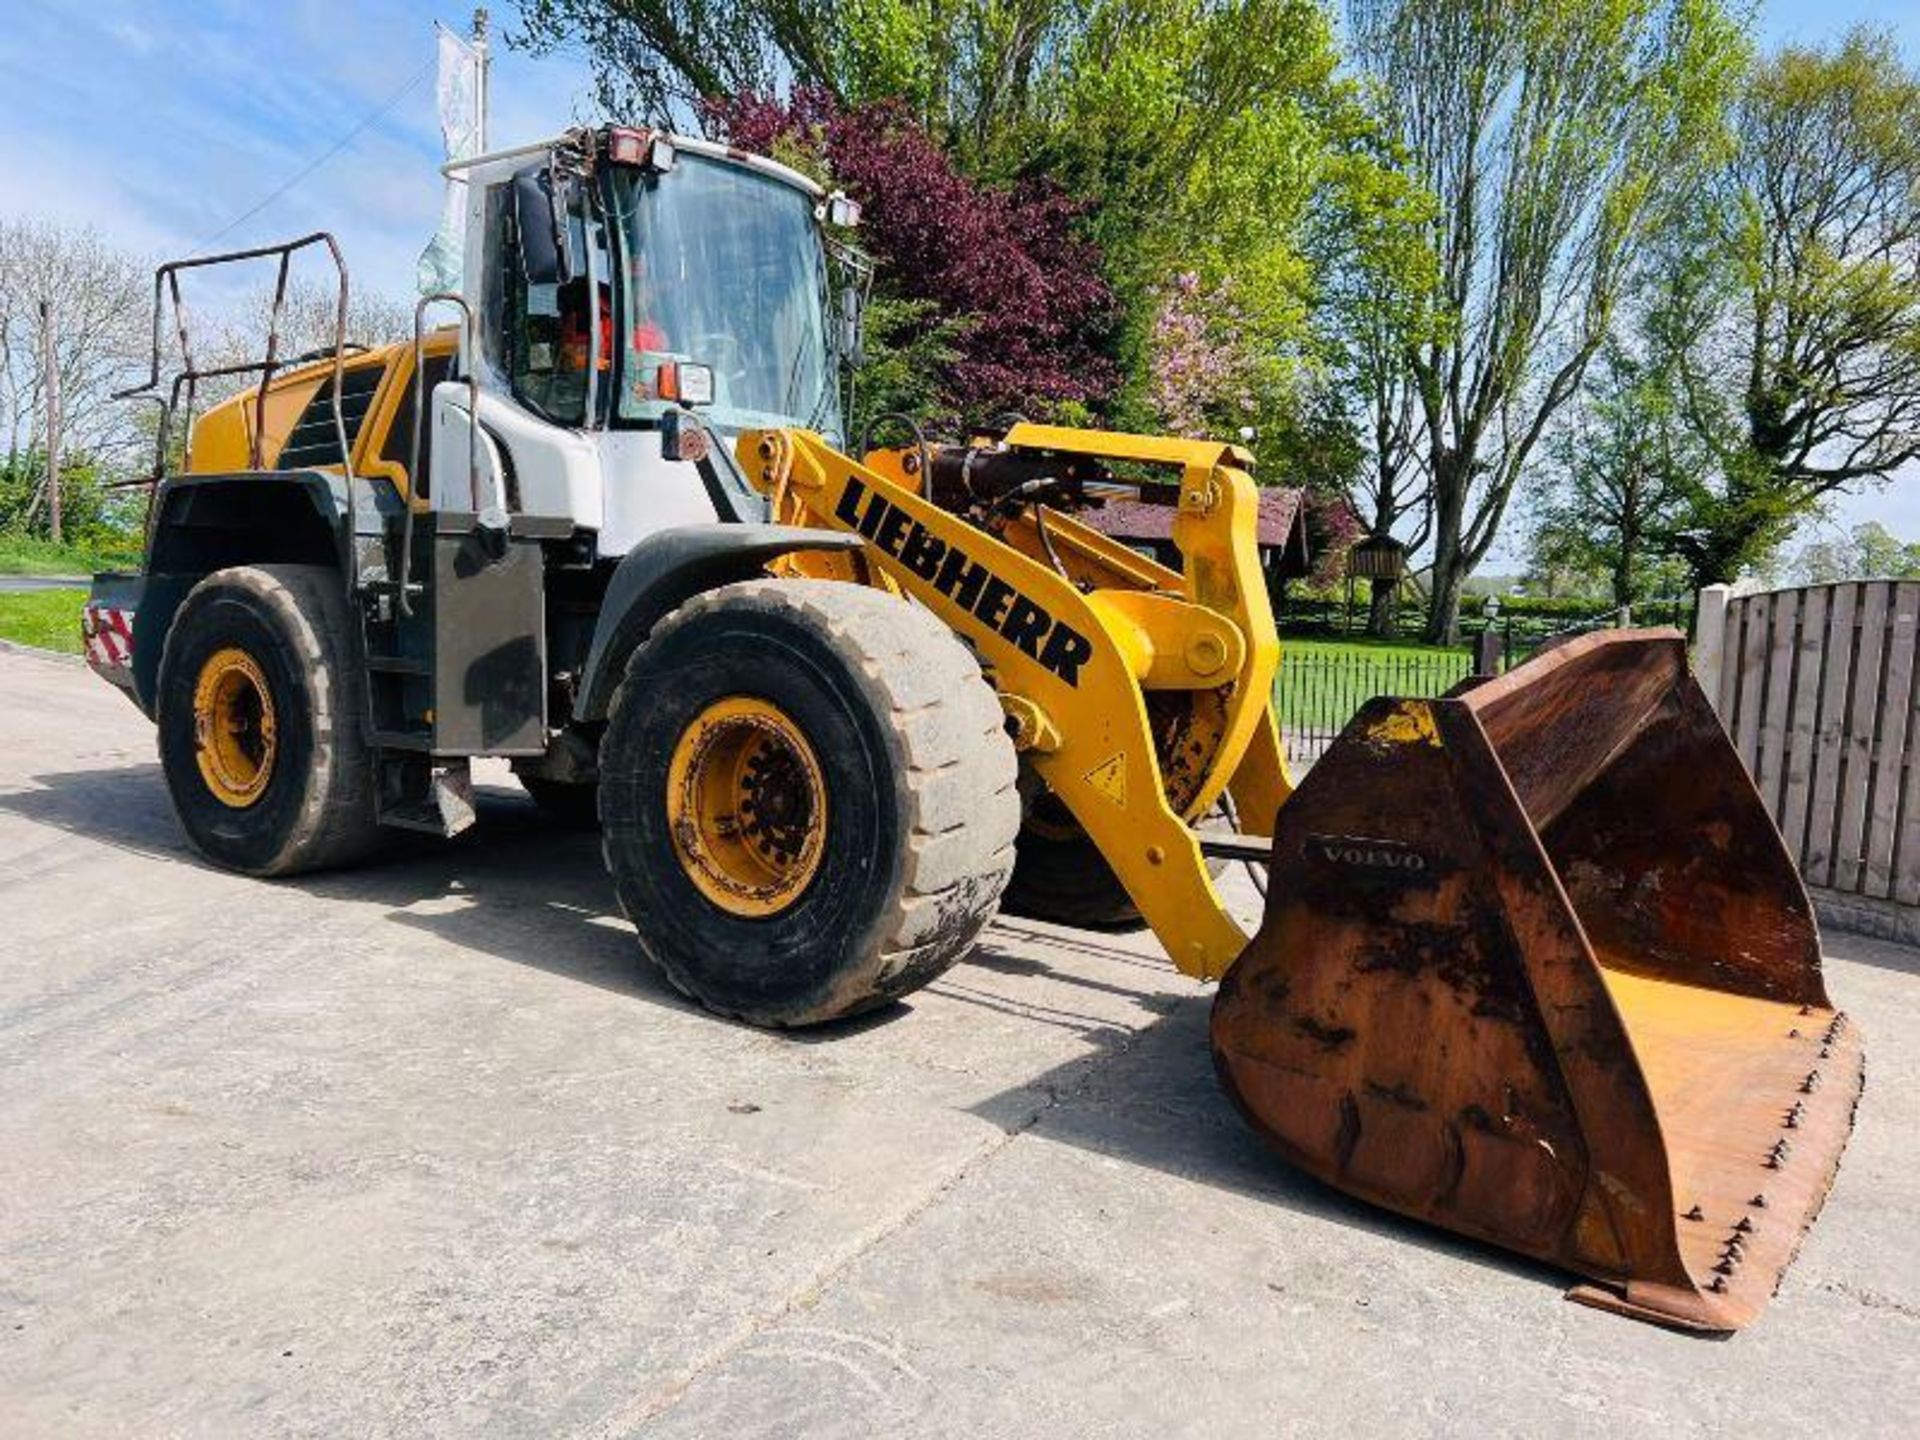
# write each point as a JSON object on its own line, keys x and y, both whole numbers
{"x": 50, "y": 392}
{"x": 480, "y": 19}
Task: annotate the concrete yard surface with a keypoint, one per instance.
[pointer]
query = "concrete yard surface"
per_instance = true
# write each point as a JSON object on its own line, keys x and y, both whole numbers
{"x": 425, "y": 1149}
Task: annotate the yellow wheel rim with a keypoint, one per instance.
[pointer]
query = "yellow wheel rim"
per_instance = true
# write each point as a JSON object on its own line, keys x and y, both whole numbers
{"x": 747, "y": 806}
{"x": 233, "y": 727}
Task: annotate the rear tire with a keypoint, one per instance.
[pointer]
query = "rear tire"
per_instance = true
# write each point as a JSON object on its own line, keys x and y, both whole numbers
{"x": 1064, "y": 880}
{"x": 899, "y": 804}
{"x": 1060, "y": 876}
{"x": 268, "y": 650}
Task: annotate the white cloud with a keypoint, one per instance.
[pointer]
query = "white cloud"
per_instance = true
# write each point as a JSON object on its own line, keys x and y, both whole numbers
{"x": 160, "y": 123}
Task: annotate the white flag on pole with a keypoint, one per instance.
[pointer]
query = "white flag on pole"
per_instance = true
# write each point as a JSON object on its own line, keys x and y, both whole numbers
{"x": 458, "y": 98}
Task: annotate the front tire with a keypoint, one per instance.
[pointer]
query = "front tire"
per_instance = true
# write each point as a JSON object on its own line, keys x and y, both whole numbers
{"x": 262, "y": 722}
{"x": 807, "y": 799}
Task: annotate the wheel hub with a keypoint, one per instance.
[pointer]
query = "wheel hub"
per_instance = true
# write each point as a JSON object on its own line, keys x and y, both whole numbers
{"x": 234, "y": 734}
{"x": 747, "y": 806}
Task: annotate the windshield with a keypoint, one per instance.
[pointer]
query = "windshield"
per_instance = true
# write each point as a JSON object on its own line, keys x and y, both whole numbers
{"x": 724, "y": 267}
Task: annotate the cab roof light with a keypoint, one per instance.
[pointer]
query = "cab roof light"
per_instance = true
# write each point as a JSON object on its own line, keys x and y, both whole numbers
{"x": 647, "y": 148}
{"x": 841, "y": 209}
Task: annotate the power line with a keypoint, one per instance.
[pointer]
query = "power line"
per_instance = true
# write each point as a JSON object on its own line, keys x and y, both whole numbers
{"x": 321, "y": 159}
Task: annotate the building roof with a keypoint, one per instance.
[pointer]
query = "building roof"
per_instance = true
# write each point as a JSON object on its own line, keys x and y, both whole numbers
{"x": 1282, "y": 525}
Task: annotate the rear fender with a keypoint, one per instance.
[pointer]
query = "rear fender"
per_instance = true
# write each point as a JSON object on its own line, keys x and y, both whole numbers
{"x": 204, "y": 523}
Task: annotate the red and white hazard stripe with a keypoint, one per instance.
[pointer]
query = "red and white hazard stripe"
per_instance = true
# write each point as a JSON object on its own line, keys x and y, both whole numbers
{"x": 108, "y": 632}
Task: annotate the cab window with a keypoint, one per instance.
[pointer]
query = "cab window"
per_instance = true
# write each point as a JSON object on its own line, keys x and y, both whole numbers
{"x": 541, "y": 334}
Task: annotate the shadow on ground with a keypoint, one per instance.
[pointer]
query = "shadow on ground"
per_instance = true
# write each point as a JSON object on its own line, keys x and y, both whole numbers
{"x": 538, "y": 896}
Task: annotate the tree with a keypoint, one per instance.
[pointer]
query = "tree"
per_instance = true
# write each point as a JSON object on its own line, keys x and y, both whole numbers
{"x": 308, "y": 318}
{"x": 1192, "y": 134}
{"x": 1375, "y": 303}
{"x": 1548, "y": 133}
{"x": 1623, "y": 468}
{"x": 965, "y": 70}
{"x": 1003, "y": 268}
{"x": 1209, "y": 377}
{"x": 1795, "y": 309}
{"x": 102, "y": 332}
{"x": 1868, "y": 552}
{"x": 1206, "y": 376}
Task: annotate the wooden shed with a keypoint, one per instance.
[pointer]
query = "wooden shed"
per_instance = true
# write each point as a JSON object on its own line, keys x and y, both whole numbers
{"x": 1282, "y": 533}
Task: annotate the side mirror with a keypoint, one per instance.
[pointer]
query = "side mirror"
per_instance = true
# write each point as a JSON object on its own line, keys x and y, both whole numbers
{"x": 546, "y": 253}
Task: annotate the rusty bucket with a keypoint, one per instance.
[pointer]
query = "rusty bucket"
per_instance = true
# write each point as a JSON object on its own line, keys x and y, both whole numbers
{"x": 1537, "y": 968}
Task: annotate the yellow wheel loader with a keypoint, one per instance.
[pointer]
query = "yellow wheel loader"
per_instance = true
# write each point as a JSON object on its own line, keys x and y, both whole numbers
{"x": 1534, "y": 967}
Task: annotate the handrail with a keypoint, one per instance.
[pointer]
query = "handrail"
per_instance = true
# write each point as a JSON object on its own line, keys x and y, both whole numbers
{"x": 421, "y": 398}
{"x": 166, "y": 288}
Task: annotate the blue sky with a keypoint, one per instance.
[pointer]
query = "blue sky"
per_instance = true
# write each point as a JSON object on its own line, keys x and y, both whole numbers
{"x": 161, "y": 121}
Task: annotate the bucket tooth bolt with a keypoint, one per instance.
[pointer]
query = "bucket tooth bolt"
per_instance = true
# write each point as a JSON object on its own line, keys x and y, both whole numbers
{"x": 1744, "y": 1225}
{"x": 1811, "y": 1083}
{"x": 1777, "y": 1154}
{"x": 1718, "y": 1285}
{"x": 1759, "y": 1202}
{"x": 1725, "y": 1267}
{"x": 1696, "y": 1213}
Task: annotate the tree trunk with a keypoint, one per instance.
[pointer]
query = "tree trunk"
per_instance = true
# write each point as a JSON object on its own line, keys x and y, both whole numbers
{"x": 1451, "y": 482}
{"x": 1383, "y": 611}
{"x": 1623, "y": 582}
{"x": 1443, "y": 612}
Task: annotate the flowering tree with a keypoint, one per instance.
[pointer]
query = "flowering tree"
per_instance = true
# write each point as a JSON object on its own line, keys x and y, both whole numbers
{"x": 1004, "y": 266}
{"x": 1209, "y": 376}
{"x": 1203, "y": 377}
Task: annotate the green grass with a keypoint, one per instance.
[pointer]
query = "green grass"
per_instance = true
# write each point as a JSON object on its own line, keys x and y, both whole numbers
{"x": 1322, "y": 682}
{"x": 1361, "y": 647}
{"x": 30, "y": 555}
{"x": 48, "y": 619}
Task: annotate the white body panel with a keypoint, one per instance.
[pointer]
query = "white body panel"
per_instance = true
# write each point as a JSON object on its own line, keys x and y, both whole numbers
{"x": 612, "y": 483}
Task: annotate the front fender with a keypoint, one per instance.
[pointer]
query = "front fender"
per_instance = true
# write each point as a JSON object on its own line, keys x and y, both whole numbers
{"x": 666, "y": 570}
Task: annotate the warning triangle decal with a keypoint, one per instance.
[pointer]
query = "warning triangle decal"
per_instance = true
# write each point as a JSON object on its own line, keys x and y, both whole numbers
{"x": 1109, "y": 777}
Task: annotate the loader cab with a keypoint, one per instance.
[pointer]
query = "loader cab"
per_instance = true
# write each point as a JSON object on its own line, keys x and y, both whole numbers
{"x": 618, "y": 274}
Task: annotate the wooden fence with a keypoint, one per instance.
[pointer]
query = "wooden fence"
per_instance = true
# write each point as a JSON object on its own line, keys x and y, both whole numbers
{"x": 1820, "y": 689}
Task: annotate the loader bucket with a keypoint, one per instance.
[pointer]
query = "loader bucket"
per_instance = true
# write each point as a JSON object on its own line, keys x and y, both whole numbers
{"x": 1537, "y": 968}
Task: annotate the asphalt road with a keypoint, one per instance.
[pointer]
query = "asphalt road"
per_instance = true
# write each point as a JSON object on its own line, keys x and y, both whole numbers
{"x": 43, "y": 582}
{"x": 423, "y": 1149}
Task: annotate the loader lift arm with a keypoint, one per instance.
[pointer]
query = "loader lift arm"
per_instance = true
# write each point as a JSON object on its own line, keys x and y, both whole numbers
{"x": 1071, "y": 650}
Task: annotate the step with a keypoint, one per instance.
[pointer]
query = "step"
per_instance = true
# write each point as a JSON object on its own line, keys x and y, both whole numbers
{"x": 420, "y": 815}
{"x": 420, "y": 740}
{"x": 399, "y": 665}
{"x": 445, "y": 810}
